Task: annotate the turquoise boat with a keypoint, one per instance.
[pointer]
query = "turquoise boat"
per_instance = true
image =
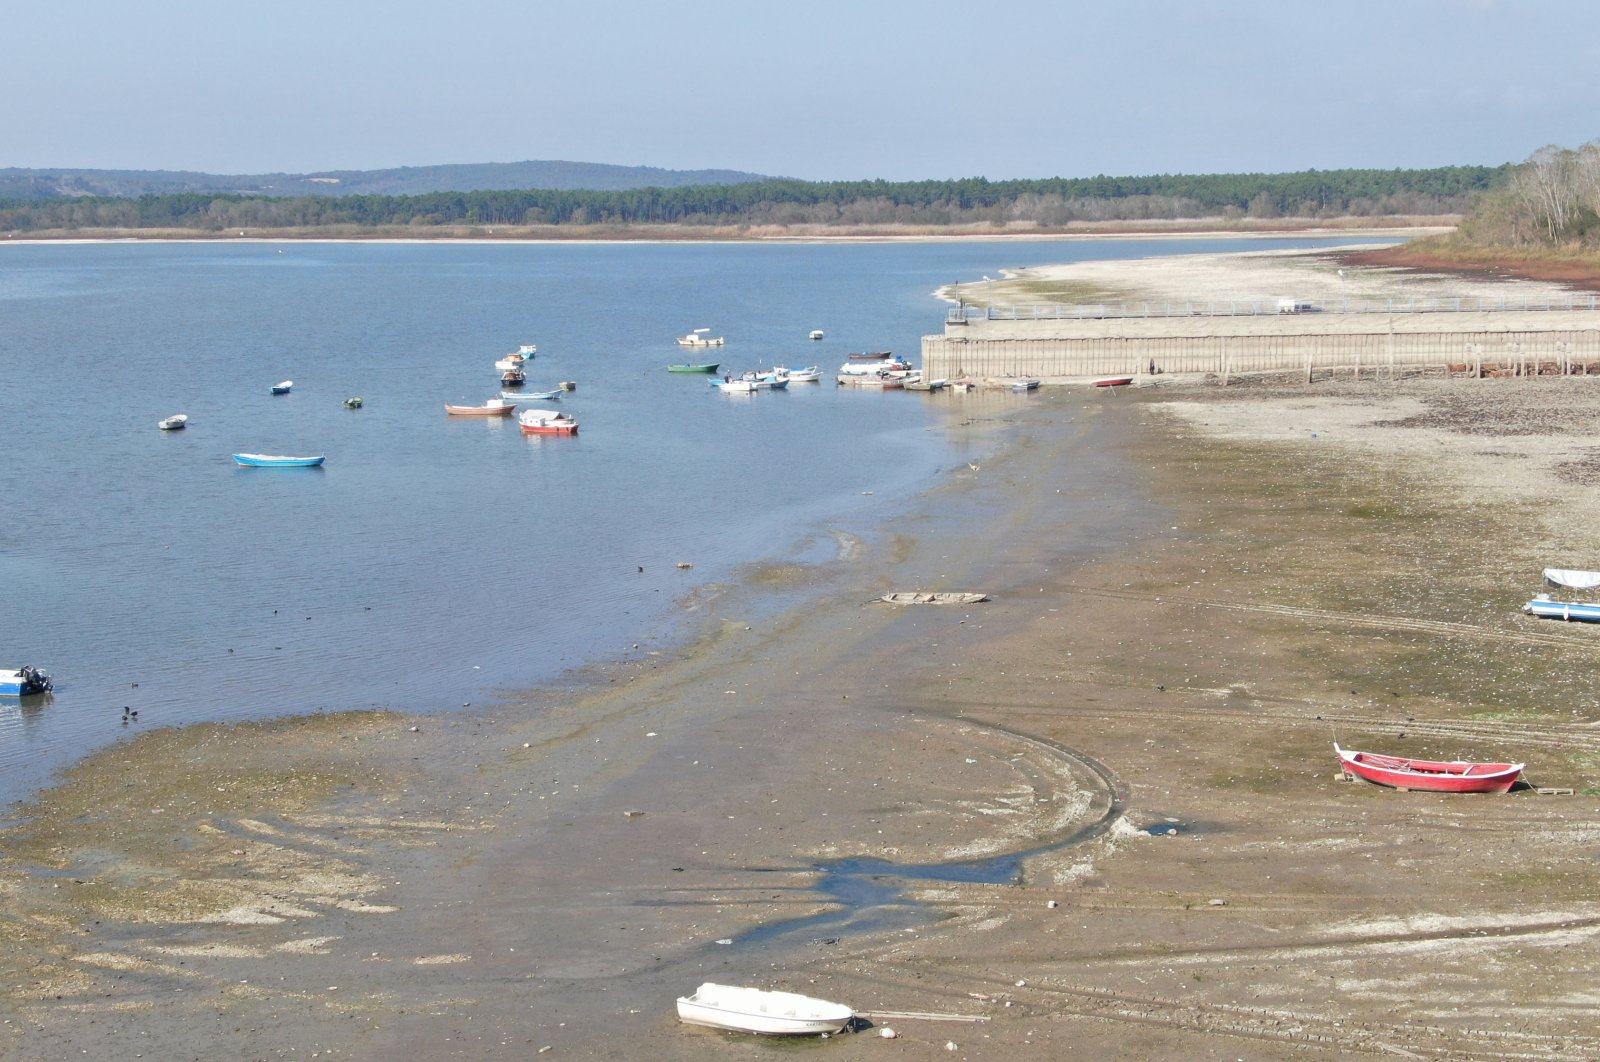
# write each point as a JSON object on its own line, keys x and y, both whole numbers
{"x": 278, "y": 461}
{"x": 712, "y": 367}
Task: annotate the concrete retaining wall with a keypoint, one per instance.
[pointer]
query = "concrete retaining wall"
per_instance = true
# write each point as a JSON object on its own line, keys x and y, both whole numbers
{"x": 1487, "y": 342}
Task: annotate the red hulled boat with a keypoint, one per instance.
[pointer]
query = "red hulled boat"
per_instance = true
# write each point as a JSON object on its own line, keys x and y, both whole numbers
{"x": 1453, "y": 777}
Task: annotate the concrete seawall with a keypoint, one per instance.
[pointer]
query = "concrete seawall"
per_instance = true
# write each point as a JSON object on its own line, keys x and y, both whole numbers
{"x": 1487, "y": 342}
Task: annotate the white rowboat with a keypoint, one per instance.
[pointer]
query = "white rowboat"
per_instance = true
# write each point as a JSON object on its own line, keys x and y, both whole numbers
{"x": 757, "y": 1010}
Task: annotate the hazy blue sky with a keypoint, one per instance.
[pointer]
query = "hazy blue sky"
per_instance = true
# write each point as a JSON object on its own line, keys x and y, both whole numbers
{"x": 821, "y": 89}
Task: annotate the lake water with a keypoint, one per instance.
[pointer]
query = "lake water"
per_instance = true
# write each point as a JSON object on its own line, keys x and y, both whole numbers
{"x": 434, "y": 560}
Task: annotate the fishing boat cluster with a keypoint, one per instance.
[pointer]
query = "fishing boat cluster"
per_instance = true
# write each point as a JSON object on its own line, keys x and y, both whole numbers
{"x": 513, "y": 377}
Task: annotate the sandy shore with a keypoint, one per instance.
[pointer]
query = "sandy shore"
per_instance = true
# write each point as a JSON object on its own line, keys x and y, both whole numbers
{"x": 1194, "y": 591}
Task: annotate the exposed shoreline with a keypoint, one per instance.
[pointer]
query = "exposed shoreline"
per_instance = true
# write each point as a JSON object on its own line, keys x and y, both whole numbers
{"x": 477, "y": 886}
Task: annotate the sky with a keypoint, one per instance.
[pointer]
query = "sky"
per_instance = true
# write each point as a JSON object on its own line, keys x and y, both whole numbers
{"x": 820, "y": 90}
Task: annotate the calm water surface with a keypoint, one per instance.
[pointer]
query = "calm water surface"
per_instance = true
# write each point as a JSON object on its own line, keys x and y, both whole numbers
{"x": 434, "y": 560}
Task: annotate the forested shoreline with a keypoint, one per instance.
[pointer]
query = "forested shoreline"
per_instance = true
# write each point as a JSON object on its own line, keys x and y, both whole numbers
{"x": 1038, "y": 205}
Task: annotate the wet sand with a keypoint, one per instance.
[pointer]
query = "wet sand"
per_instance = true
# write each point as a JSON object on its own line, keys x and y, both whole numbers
{"x": 1194, "y": 589}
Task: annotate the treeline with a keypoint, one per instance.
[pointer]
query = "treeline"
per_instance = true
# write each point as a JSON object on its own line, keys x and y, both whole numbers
{"x": 974, "y": 201}
{"x": 1552, "y": 200}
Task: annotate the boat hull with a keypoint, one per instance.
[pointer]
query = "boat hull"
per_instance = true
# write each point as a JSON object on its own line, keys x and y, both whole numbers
{"x": 23, "y": 682}
{"x": 1112, "y": 381}
{"x": 1435, "y": 776}
{"x": 1575, "y": 611}
{"x": 707, "y": 368}
{"x": 279, "y": 461}
{"x": 933, "y": 597}
{"x": 503, "y": 409}
{"x": 752, "y": 1010}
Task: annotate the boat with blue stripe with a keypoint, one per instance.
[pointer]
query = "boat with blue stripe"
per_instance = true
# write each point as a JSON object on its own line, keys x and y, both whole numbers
{"x": 279, "y": 460}
{"x": 1578, "y": 611}
{"x": 23, "y": 681}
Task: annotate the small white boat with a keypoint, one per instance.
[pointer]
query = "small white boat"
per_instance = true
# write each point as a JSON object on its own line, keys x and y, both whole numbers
{"x": 757, "y": 1010}
{"x": 737, "y": 387}
{"x": 816, "y": 333}
{"x": 699, "y": 338}
{"x": 810, "y": 374}
{"x": 283, "y": 387}
{"x": 533, "y": 396}
{"x": 173, "y": 423}
{"x": 933, "y": 597}
{"x": 1572, "y": 579}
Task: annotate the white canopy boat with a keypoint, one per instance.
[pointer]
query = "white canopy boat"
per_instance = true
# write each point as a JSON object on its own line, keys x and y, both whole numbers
{"x": 700, "y": 338}
{"x": 174, "y": 422}
{"x": 1572, "y": 579}
{"x": 757, "y": 1010}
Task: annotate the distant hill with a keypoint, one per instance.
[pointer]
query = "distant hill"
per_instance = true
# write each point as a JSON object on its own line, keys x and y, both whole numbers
{"x": 407, "y": 180}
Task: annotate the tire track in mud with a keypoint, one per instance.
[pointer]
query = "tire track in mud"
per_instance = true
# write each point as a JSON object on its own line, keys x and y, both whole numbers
{"x": 1317, "y": 1031}
{"x": 1350, "y": 619}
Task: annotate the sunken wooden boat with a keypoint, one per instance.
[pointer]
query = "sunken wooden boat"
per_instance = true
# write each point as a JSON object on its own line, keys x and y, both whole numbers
{"x": 933, "y": 597}
{"x": 1457, "y": 776}
{"x": 756, "y": 1010}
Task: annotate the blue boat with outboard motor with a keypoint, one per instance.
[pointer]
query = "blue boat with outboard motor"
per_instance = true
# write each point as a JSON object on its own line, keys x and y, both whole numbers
{"x": 24, "y": 681}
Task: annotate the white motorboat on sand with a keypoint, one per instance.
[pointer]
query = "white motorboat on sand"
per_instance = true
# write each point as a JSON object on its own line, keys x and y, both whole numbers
{"x": 757, "y": 1010}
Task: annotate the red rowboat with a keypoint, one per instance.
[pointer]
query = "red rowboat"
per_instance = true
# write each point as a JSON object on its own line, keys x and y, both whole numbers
{"x": 1454, "y": 777}
{"x": 1112, "y": 381}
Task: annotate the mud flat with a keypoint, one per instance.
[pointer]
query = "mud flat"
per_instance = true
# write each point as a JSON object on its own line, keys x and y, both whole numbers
{"x": 1100, "y": 812}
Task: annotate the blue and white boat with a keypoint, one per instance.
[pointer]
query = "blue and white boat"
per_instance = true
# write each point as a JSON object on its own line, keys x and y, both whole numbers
{"x": 278, "y": 460}
{"x": 283, "y": 388}
{"x": 1545, "y": 608}
{"x": 23, "y": 682}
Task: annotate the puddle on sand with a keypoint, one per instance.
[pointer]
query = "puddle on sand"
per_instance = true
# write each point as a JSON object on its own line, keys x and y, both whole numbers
{"x": 870, "y": 893}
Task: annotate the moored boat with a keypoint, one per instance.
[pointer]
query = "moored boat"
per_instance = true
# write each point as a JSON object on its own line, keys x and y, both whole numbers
{"x": 810, "y": 374}
{"x": 872, "y": 355}
{"x": 511, "y": 361}
{"x": 283, "y": 388}
{"x": 494, "y": 407}
{"x": 173, "y": 423}
{"x": 757, "y": 1010}
{"x": 532, "y": 396}
{"x": 1027, "y": 383}
{"x": 513, "y": 378}
{"x": 707, "y": 367}
{"x": 24, "y": 682}
{"x": 816, "y": 333}
{"x": 354, "y": 402}
{"x": 279, "y": 460}
{"x": 882, "y": 380}
{"x": 1578, "y": 611}
{"x": 699, "y": 338}
{"x": 736, "y": 387}
{"x": 1453, "y": 777}
{"x": 547, "y": 422}
{"x": 1111, "y": 381}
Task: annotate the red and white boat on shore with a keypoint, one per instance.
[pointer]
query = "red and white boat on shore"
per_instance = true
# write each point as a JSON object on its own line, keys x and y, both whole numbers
{"x": 1453, "y": 777}
{"x": 1111, "y": 381}
{"x": 547, "y": 422}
